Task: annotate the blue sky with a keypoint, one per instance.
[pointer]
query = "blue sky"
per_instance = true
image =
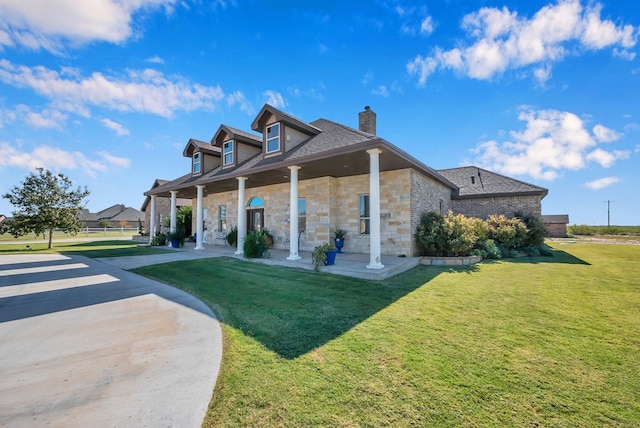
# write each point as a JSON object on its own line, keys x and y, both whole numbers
{"x": 109, "y": 92}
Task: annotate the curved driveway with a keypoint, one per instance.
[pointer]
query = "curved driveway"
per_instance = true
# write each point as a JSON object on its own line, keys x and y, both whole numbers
{"x": 85, "y": 343}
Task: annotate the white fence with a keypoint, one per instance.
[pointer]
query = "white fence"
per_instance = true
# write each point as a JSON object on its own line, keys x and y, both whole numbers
{"x": 108, "y": 231}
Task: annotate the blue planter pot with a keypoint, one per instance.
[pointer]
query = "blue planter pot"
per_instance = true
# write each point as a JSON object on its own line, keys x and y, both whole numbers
{"x": 331, "y": 257}
{"x": 339, "y": 244}
{"x": 175, "y": 243}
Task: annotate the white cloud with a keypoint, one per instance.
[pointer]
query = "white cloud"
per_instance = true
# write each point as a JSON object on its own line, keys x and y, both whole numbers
{"x": 49, "y": 24}
{"x": 381, "y": 91}
{"x": 552, "y": 141}
{"x": 6, "y": 116}
{"x": 606, "y": 135}
{"x": 114, "y": 160}
{"x": 426, "y": 27}
{"x": 239, "y": 99}
{"x": 48, "y": 119}
{"x": 367, "y": 78}
{"x": 155, "y": 60}
{"x": 146, "y": 91}
{"x": 56, "y": 159}
{"x": 116, "y": 127}
{"x": 501, "y": 40}
{"x": 274, "y": 98}
{"x": 601, "y": 183}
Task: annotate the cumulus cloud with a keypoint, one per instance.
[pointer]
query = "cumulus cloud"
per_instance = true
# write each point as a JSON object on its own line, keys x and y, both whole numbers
{"x": 47, "y": 119}
{"x": 238, "y": 98}
{"x": 502, "y": 40}
{"x": 426, "y": 27}
{"x": 53, "y": 158}
{"x": 605, "y": 135}
{"x": 145, "y": 91}
{"x": 116, "y": 127}
{"x": 381, "y": 91}
{"x": 551, "y": 142}
{"x": 155, "y": 60}
{"x": 601, "y": 183}
{"x": 50, "y": 24}
{"x": 274, "y": 98}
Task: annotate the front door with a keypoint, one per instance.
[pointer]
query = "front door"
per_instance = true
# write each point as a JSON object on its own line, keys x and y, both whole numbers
{"x": 255, "y": 220}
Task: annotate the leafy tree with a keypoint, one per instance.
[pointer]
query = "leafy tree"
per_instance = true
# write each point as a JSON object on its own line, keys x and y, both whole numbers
{"x": 45, "y": 202}
{"x": 104, "y": 222}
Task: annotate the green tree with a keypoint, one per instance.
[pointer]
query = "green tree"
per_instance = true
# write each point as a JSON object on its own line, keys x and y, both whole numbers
{"x": 44, "y": 202}
{"x": 104, "y": 222}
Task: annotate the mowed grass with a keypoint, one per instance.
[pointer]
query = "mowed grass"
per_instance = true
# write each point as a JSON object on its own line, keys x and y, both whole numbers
{"x": 532, "y": 342}
{"x": 93, "y": 249}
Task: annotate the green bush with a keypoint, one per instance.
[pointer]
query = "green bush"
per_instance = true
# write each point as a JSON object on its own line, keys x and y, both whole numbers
{"x": 431, "y": 235}
{"x": 254, "y": 245}
{"x": 232, "y": 236}
{"x": 511, "y": 233}
{"x": 581, "y": 229}
{"x": 536, "y": 230}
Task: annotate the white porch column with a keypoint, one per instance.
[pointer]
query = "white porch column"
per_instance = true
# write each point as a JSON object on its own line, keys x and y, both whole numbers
{"x": 293, "y": 214}
{"x": 374, "y": 209}
{"x": 199, "y": 228}
{"x": 152, "y": 219}
{"x": 242, "y": 216}
{"x": 172, "y": 225}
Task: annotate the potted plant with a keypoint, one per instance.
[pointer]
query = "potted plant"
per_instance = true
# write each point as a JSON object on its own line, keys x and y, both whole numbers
{"x": 232, "y": 236}
{"x": 339, "y": 235}
{"x": 268, "y": 237}
{"x": 323, "y": 255}
{"x": 254, "y": 245}
{"x": 176, "y": 238}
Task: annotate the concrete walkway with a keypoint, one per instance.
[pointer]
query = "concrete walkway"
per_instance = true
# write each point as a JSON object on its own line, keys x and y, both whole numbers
{"x": 84, "y": 343}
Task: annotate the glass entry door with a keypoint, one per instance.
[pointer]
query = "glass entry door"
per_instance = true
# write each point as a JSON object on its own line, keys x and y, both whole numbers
{"x": 255, "y": 220}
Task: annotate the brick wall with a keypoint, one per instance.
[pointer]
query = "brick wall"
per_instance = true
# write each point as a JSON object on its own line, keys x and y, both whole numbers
{"x": 426, "y": 195}
{"x": 163, "y": 207}
{"x": 484, "y": 207}
{"x": 556, "y": 230}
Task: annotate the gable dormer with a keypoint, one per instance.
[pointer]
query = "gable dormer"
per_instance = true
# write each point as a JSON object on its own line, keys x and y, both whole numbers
{"x": 280, "y": 131}
{"x": 204, "y": 157}
{"x": 235, "y": 146}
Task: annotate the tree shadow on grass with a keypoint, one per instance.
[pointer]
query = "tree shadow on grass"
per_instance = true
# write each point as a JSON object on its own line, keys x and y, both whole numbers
{"x": 289, "y": 311}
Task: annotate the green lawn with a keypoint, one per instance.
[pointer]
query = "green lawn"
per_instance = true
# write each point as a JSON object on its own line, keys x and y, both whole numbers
{"x": 91, "y": 249}
{"x": 533, "y": 342}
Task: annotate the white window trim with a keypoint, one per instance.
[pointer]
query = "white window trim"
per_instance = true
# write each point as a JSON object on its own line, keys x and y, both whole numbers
{"x": 266, "y": 132}
{"x": 198, "y": 163}
{"x": 224, "y": 154}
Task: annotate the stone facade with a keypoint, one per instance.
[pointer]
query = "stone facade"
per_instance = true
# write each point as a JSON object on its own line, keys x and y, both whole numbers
{"x": 334, "y": 203}
{"x": 163, "y": 211}
{"x": 507, "y": 205}
{"x": 426, "y": 195}
{"x": 556, "y": 230}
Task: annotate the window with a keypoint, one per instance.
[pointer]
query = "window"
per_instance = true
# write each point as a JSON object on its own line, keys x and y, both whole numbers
{"x": 222, "y": 218}
{"x": 196, "y": 163}
{"x": 227, "y": 153}
{"x": 364, "y": 214}
{"x": 273, "y": 138}
{"x": 302, "y": 214}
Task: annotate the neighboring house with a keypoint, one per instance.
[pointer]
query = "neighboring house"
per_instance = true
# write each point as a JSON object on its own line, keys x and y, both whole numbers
{"x": 556, "y": 225}
{"x": 119, "y": 216}
{"x": 306, "y": 179}
{"x": 163, "y": 207}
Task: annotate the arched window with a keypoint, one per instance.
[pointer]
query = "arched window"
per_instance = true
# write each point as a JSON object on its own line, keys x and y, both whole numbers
{"x": 255, "y": 202}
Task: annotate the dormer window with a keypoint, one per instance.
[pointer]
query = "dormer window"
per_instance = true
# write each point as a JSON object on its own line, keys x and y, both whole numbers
{"x": 227, "y": 153}
{"x": 196, "y": 163}
{"x": 273, "y": 138}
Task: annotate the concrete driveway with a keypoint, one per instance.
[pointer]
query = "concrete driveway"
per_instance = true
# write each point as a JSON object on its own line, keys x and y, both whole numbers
{"x": 84, "y": 343}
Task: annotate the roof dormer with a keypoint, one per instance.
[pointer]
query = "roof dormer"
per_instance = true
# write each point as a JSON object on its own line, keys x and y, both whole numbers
{"x": 280, "y": 131}
{"x": 204, "y": 157}
{"x": 236, "y": 146}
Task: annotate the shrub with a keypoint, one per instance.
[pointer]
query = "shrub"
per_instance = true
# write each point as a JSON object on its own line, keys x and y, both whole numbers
{"x": 431, "y": 235}
{"x": 510, "y": 233}
{"x": 232, "y": 236}
{"x": 319, "y": 255}
{"x": 581, "y": 229}
{"x": 254, "y": 245}
{"x": 536, "y": 230}
{"x": 460, "y": 234}
{"x": 490, "y": 249}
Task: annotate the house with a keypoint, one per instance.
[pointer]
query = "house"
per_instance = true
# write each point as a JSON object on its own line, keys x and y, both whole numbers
{"x": 119, "y": 215}
{"x": 302, "y": 180}
{"x": 163, "y": 206}
{"x": 556, "y": 225}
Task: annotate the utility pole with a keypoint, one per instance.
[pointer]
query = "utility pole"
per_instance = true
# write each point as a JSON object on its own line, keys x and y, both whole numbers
{"x": 608, "y": 212}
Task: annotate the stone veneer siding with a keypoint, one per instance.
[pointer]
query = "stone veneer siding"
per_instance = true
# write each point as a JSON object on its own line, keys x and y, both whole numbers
{"x": 334, "y": 203}
{"x": 484, "y": 207}
{"x": 163, "y": 206}
{"x": 556, "y": 230}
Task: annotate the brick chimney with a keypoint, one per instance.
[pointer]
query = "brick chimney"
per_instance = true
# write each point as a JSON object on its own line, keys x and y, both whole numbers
{"x": 367, "y": 121}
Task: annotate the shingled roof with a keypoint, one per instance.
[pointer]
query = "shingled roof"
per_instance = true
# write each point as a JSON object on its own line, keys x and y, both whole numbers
{"x": 474, "y": 182}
